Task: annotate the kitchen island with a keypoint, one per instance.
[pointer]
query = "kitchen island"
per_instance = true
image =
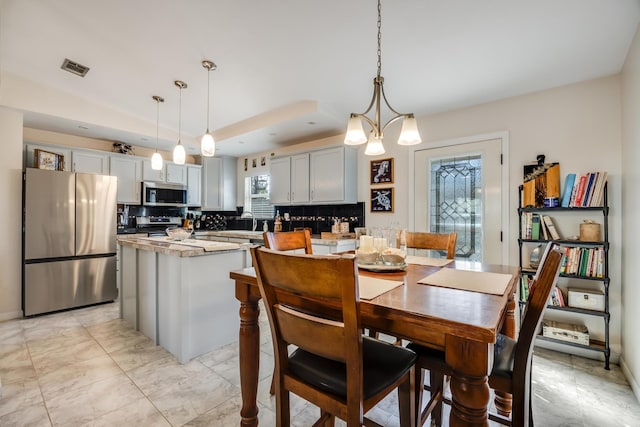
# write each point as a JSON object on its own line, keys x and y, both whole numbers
{"x": 179, "y": 293}
{"x": 320, "y": 246}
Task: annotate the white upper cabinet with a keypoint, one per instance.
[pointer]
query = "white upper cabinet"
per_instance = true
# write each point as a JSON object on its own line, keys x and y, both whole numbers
{"x": 29, "y": 158}
{"x": 175, "y": 174}
{"x": 194, "y": 185}
{"x": 149, "y": 174}
{"x": 129, "y": 173}
{"x": 219, "y": 184}
{"x": 90, "y": 162}
{"x": 170, "y": 173}
{"x": 289, "y": 181}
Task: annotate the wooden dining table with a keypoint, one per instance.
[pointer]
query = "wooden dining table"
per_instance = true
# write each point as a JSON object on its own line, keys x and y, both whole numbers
{"x": 462, "y": 323}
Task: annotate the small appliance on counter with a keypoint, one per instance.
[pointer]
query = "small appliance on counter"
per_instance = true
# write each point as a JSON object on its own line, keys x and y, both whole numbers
{"x": 156, "y": 225}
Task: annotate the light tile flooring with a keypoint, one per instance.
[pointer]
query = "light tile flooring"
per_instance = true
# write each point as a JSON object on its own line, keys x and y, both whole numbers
{"x": 87, "y": 367}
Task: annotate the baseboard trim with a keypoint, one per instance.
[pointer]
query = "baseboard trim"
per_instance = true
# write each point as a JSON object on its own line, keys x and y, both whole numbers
{"x": 10, "y": 315}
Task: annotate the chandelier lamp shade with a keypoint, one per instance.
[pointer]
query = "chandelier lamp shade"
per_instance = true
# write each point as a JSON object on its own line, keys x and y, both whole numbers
{"x": 156, "y": 158}
{"x": 179, "y": 154}
{"x": 207, "y": 143}
{"x": 355, "y": 135}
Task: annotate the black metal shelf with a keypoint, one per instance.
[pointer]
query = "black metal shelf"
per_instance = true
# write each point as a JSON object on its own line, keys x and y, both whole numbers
{"x": 594, "y": 345}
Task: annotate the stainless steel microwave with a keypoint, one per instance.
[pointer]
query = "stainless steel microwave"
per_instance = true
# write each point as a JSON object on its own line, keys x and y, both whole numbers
{"x": 161, "y": 194}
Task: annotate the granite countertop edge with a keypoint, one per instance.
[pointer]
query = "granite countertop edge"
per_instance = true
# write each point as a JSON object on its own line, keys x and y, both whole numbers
{"x": 171, "y": 248}
{"x": 245, "y": 234}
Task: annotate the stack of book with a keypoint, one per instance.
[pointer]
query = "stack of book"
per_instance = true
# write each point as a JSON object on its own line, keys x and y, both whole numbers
{"x": 584, "y": 191}
{"x": 538, "y": 227}
{"x": 587, "y": 262}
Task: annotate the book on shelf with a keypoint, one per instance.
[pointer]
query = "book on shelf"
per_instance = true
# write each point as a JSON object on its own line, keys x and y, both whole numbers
{"x": 580, "y": 192}
{"x": 544, "y": 231}
{"x": 588, "y": 192}
{"x": 568, "y": 189}
{"x": 535, "y": 227}
{"x": 599, "y": 191}
{"x": 551, "y": 228}
{"x": 556, "y": 299}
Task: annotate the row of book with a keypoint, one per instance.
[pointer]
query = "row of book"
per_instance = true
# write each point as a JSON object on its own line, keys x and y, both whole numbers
{"x": 586, "y": 262}
{"x": 584, "y": 191}
{"x": 556, "y": 299}
{"x": 538, "y": 227}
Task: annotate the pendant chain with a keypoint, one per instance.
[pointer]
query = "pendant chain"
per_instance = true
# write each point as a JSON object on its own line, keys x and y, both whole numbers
{"x": 379, "y": 37}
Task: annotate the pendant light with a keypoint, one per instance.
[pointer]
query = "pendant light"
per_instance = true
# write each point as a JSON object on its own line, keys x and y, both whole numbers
{"x": 156, "y": 159}
{"x": 179, "y": 155}
{"x": 355, "y": 135}
{"x": 208, "y": 144}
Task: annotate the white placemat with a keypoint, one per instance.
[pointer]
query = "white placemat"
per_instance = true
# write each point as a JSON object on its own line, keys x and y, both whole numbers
{"x": 474, "y": 281}
{"x": 421, "y": 260}
{"x": 371, "y": 287}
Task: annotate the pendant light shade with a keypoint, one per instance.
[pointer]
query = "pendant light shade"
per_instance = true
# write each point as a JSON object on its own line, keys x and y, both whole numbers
{"x": 374, "y": 146}
{"x": 179, "y": 154}
{"x": 156, "y": 158}
{"x": 355, "y": 133}
{"x": 207, "y": 143}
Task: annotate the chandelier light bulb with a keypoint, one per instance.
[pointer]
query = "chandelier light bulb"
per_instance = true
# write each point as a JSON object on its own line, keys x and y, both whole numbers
{"x": 207, "y": 145}
{"x": 156, "y": 161}
{"x": 179, "y": 155}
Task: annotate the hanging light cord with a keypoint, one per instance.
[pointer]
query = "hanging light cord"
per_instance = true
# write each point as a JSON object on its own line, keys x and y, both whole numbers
{"x": 180, "y": 116}
{"x": 379, "y": 38}
{"x": 157, "y": 121}
{"x": 208, "y": 95}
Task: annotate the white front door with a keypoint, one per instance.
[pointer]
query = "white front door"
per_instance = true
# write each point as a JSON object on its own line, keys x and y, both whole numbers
{"x": 459, "y": 188}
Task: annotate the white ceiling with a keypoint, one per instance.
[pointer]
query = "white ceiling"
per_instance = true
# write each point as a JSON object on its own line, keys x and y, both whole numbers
{"x": 285, "y": 63}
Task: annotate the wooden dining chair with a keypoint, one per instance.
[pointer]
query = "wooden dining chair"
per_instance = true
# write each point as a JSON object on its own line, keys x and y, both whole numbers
{"x": 511, "y": 371}
{"x": 312, "y": 302}
{"x": 288, "y": 240}
{"x": 433, "y": 241}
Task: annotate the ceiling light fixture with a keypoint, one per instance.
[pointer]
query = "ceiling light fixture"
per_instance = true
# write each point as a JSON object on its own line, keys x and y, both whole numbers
{"x": 179, "y": 155}
{"x": 156, "y": 159}
{"x": 208, "y": 144}
{"x": 355, "y": 135}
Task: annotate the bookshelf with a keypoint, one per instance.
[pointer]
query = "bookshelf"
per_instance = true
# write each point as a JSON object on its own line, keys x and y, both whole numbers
{"x": 587, "y": 277}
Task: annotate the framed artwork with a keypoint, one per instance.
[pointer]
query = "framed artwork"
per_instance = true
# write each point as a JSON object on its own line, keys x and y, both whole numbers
{"x": 254, "y": 163}
{"x": 382, "y": 171}
{"x": 46, "y": 160}
{"x": 382, "y": 199}
{"x": 246, "y": 164}
{"x": 263, "y": 161}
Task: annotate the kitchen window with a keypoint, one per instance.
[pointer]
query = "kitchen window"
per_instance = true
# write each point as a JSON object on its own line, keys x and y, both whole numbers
{"x": 256, "y": 196}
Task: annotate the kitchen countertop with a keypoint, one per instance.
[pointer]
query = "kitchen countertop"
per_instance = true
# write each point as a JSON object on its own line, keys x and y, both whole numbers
{"x": 257, "y": 235}
{"x": 171, "y": 247}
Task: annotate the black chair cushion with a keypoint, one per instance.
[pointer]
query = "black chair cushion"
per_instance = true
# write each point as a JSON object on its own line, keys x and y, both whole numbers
{"x": 383, "y": 364}
{"x": 504, "y": 353}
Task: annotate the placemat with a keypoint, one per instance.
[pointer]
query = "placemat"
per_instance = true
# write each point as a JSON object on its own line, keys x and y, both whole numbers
{"x": 474, "y": 281}
{"x": 371, "y": 287}
{"x": 421, "y": 260}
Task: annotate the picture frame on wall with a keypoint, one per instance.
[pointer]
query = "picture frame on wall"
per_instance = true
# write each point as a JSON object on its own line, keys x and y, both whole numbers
{"x": 382, "y": 200}
{"x": 382, "y": 171}
{"x": 47, "y": 160}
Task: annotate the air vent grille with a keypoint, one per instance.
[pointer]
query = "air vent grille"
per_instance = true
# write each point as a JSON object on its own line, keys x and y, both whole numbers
{"x": 74, "y": 67}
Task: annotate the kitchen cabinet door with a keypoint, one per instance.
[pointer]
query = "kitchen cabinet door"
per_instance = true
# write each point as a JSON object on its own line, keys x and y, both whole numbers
{"x": 280, "y": 181}
{"x": 129, "y": 173}
{"x": 90, "y": 162}
{"x": 333, "y": 175}
{"x": 219, "y": 184}
{"x": 175, "y": 174}
{"x": 289, "y": 181}
{"x": 194, "y": 185}
{"x": 148, "y": 174}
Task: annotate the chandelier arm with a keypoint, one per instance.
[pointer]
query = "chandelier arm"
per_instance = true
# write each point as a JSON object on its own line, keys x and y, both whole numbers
{"x": 367, "y": 119}
{"x": 392, "y": 120}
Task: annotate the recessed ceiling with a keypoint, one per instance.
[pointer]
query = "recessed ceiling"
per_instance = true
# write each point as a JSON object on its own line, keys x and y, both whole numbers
{"x": 282, "y": 65}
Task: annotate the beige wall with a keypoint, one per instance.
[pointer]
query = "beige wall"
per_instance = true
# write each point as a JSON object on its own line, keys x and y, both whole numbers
{"x": 10, "y": 214}
{"x": 630, "y": 206}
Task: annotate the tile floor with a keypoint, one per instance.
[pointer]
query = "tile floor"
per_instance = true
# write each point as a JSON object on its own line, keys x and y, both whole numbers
{"x": 87, "y": 367}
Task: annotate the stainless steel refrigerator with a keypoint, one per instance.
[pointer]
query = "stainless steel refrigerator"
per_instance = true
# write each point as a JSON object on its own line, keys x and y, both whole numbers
{"x": 69, "y": 240}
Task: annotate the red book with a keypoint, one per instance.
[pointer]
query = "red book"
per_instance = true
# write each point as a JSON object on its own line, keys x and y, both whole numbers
{"x": 580, "y": 192}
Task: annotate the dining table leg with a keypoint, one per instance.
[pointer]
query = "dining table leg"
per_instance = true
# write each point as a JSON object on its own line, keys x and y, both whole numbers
{"x": 471, "y": 363}
{"x": 503, "y": 400}
{"x": 249, "y": 348}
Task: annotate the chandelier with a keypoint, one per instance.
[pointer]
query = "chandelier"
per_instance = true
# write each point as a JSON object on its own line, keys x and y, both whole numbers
{"x": 355, "y": 135}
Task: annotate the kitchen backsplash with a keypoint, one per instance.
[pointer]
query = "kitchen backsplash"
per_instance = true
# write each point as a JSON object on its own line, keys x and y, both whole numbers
{"x": 316, "y": 217}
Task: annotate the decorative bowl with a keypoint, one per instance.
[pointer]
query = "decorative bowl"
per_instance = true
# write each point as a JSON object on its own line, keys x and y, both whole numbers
{"x": 178, "y": 233}
{"x": 367, "y": 257}
{"x": 393, "y": 256}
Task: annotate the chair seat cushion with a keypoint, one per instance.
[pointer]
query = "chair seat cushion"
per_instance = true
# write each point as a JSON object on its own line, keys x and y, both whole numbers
{"x": 504, "y": 353}
{"x": 383, "y": 364}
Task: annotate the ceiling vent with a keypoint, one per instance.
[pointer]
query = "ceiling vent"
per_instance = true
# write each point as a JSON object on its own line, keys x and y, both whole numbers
{"x": 74, "y": 67}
